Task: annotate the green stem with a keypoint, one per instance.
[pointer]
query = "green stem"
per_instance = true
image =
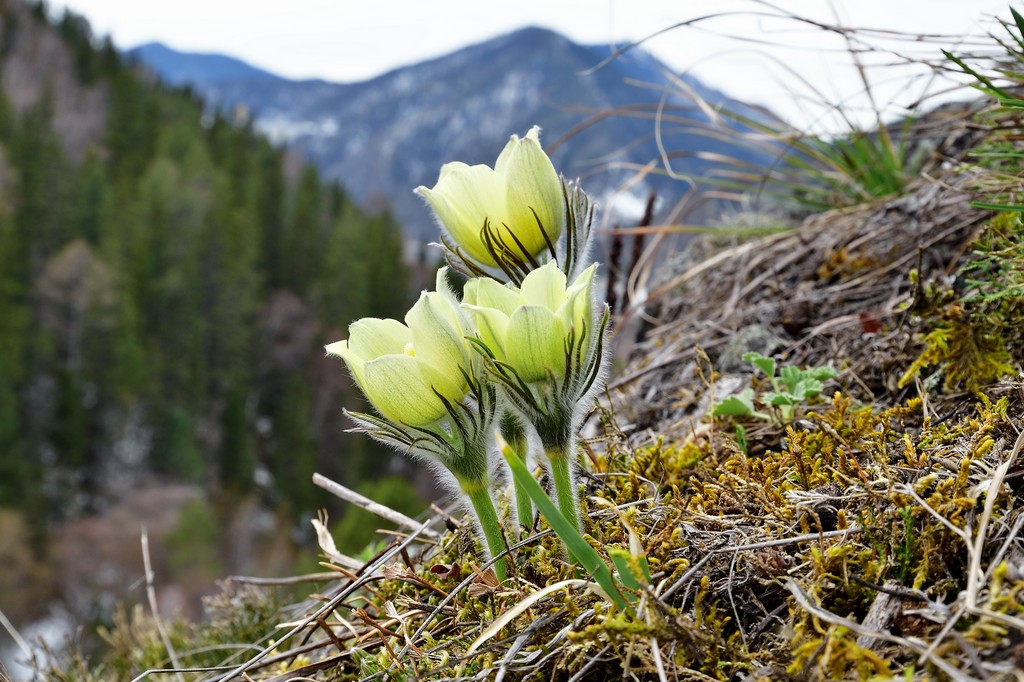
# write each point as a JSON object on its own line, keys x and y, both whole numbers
{"x": 514, "y": 433}
{"x": 486, "y": 515}
{"x": 524, "y": 505}
{"x": 580, "y": 553}
{"x": 565, "y": 491}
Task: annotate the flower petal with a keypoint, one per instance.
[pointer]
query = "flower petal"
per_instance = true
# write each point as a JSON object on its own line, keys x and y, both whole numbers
{"x": 338, "y": 348}
{"x": 579, "y": 300}
{"x": 501, "y": 165}
{"x": 534, "y": 192}
{"x": 535, "y": 343}
{"x": 438, "y": 341}
{"x": 448, "y": 381}
{"x": 352, "y": 361}
{"x": 469, "y": 291}
{"x": 443, "y": 284}
{"x": 400, "y": 392}
{"x": 371, "y": 337}
{"x": 492, "y": 326}
{"x": 489, "y": 293}
{"x": 545, "y": 286}
{"x": 463, "y": 198}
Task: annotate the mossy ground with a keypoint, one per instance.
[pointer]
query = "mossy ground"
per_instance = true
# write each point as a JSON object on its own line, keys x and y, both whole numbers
{"x": 844, "y": 551}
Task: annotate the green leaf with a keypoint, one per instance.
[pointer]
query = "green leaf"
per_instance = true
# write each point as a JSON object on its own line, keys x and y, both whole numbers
{"x": 986, "y": 85}
{"x": 822, "y": 373}
{"x": 741, "y": 438}
{"x": 986, "y": 206}
{"x": 620, "y": 557}
{"x": 780, "y": 399}
{"x": 740, "y": 405}
{"x": 633, "y": 570}
{"x": 790, "y": 377}
{"x": 1019, "y": 20}
{"x": 809, "y": 387}
{"x": 577, "y": 546}
{"x": 765, "y": 364}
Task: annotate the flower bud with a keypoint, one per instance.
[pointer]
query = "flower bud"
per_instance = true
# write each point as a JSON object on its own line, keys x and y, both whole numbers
{"x": 402, "y": 368}
{"x": 530, "y": 327}
{"x": 520, "y": 200}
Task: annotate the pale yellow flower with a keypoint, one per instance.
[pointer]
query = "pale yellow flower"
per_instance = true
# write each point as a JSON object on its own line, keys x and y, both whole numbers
{"x": 401, "y": 368}
{"x": 519, "y": 196}
{"x": 529, "y": 327}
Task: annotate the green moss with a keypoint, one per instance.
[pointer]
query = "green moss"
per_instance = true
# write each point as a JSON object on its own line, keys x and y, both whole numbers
{"x": 971, "y": 351}
{"x": 832, "y": 653}
{"x": 840, "y": 503}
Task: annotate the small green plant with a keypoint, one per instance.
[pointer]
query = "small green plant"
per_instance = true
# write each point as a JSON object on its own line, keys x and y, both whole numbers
{"x": 741, "y": 439}
{"x": 974, "y": 338}
{"x": 631, "y": 563}
{"x": 739, "y": 405}
{"x": 968, "y": 347}
{"x": 792, "y": 386}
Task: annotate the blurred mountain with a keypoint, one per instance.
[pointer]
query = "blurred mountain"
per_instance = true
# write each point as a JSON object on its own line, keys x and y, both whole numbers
{"x": 384, "y": 137}
{"x": 198, "y": 70}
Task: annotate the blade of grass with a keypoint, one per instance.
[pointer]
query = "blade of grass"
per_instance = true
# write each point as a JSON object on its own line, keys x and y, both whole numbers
{"x": 513, "y": 613}
{"x": 984, "y": 205}
{"x": 989, "y": 87}
{"x": 1019, "y": 20}
{"x": 577, "y": 546}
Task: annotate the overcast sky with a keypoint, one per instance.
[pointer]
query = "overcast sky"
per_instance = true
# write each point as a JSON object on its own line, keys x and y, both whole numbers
{"x": 349, "y": 40}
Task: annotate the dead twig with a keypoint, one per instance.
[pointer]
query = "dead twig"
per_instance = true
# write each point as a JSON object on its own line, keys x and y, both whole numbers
{"x": 383, "y": 511}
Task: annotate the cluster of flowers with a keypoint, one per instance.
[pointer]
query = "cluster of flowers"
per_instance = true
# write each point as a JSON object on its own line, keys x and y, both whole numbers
{"x": 518, "y": 358}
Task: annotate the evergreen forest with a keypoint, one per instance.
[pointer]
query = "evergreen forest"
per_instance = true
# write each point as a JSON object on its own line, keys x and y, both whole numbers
{"x": 167, "y": 285}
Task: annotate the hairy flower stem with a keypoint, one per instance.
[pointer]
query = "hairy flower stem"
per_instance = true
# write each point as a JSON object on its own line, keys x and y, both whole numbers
{"x": 483, "y": 505}
{"x": 565, "y": 490}
{"x": 515, "y": 435}
{"x": 524, "y": 506}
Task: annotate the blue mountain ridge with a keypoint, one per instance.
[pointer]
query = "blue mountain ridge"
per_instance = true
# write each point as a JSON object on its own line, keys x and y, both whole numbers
{"x": 383, "y": 137}
{"x": 196, "y": 69}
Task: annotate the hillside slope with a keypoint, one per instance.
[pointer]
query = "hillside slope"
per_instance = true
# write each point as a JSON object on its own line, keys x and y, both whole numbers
{"x": 810, "y": 469}
{"x": 840, "y": 536}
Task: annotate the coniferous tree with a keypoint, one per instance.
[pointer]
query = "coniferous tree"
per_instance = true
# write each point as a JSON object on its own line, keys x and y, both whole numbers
{"x": 389, "y": 275}
{"x": 268, "y": 203}
{"x": 305, "y": 231}
{"x": 40, "y": 170}
{"x": 294, "y": 454}
{"x": 132, "y": 125}
{"x": 92, "y": 201}
{"x": 236, "y": 463}
{"x": 177, "y": 451}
